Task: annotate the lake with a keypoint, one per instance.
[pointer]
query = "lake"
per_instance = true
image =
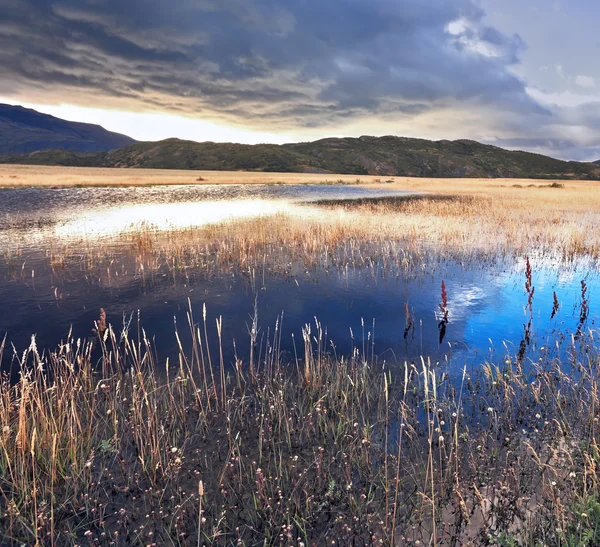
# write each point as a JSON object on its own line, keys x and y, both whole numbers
{"x": 389, "y": 314}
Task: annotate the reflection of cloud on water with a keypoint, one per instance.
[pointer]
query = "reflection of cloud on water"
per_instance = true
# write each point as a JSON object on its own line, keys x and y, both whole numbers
{"x": 462, "y": 302}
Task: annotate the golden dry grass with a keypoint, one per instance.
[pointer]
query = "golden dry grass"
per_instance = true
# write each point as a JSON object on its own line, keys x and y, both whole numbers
{"x": 49, "y": 176}
{"x": 519, "y": 193}
{"x": 478, "y": 216}
{"x": 556, "y": 223}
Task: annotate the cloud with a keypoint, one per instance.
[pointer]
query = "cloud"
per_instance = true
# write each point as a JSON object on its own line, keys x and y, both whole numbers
{"x": 286, "y": 63}
{"x": 430, "y": 68}
{"x": 562, "y": 148}
{"x": 585, "y": 81}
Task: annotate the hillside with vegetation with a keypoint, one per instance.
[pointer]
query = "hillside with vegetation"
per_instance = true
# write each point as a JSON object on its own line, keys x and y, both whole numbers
{"x": 385, "y": 156}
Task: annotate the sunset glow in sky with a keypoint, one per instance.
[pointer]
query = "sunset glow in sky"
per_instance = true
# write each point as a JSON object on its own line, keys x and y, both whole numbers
{"x": 516, "y": 73}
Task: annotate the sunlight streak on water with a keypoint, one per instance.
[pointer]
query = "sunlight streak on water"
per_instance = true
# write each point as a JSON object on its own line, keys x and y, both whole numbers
{"x": 45, "y": 217}
{"x": 164, "y": 216}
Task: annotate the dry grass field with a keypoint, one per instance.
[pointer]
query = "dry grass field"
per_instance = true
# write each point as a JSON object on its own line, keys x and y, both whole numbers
{"x": 51, "y": 176}
{"x": 460, "y": 218}
{"x": 32, "y": 175}
{"x": 455, "y": 216}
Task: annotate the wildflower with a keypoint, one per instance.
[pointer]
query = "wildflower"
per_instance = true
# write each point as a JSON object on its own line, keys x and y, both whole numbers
{"x": 538, "y": 415}
{"x": 441, "y": 439}
{"x": 553, "y": 483}
{"x": 174, "y": 449}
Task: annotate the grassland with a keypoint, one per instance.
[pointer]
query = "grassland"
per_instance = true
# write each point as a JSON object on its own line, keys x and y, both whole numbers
{"x": 57, "y": 177}
{"x": 15, "y": 176}
{"x": 100, "y": 444}
{"x": 459, "y": 218}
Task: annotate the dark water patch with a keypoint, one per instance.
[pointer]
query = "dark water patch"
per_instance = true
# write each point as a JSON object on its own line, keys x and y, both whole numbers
{"x": 457, "y": 313}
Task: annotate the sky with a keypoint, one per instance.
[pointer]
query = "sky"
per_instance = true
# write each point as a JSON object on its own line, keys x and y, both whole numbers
{"x": 520, "y": 74}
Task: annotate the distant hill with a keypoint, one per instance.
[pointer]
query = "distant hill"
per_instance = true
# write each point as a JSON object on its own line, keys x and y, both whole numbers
{"x": 385, "y": 156}
{"x": 23, "y": 130}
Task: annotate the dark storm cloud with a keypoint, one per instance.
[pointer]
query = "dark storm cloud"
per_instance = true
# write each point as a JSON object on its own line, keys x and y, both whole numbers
{"x": 294, "y": 63}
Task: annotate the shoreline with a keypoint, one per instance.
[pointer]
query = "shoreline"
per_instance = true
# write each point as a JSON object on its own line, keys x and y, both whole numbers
{"x": 28, "y": 176}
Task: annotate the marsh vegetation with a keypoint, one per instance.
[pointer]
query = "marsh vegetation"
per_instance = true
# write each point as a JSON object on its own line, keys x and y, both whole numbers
{"x": 288, "y": 436}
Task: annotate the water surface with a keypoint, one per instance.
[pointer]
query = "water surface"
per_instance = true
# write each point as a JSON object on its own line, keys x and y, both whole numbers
{"x": 32, "y": 217}
{"x": 393, "y": 316}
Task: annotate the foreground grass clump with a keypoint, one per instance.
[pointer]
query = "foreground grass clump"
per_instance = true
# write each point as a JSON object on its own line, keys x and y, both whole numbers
{"x": 99, "y": 448}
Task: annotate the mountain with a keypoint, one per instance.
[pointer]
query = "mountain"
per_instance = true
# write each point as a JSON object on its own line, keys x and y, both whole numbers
{"x": 385, "y": 156}
{"x": 23, "y": 130}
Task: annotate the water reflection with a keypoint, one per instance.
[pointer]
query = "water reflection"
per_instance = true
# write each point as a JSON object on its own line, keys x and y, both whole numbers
{"x": 393, "y": 315}
{"x": 33, "y": 217}
{"x": 358, "y": 311}
{"x": 107, "y": 223}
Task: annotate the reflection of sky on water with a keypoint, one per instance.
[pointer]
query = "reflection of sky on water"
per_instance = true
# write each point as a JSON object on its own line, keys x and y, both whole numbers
{"x": 486, "y": 304}
{"x": 486, "y": 308}
{"x": 504, "y": 314}
{"x": 33, "y": 216}
{"x": 109, "y": 222}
